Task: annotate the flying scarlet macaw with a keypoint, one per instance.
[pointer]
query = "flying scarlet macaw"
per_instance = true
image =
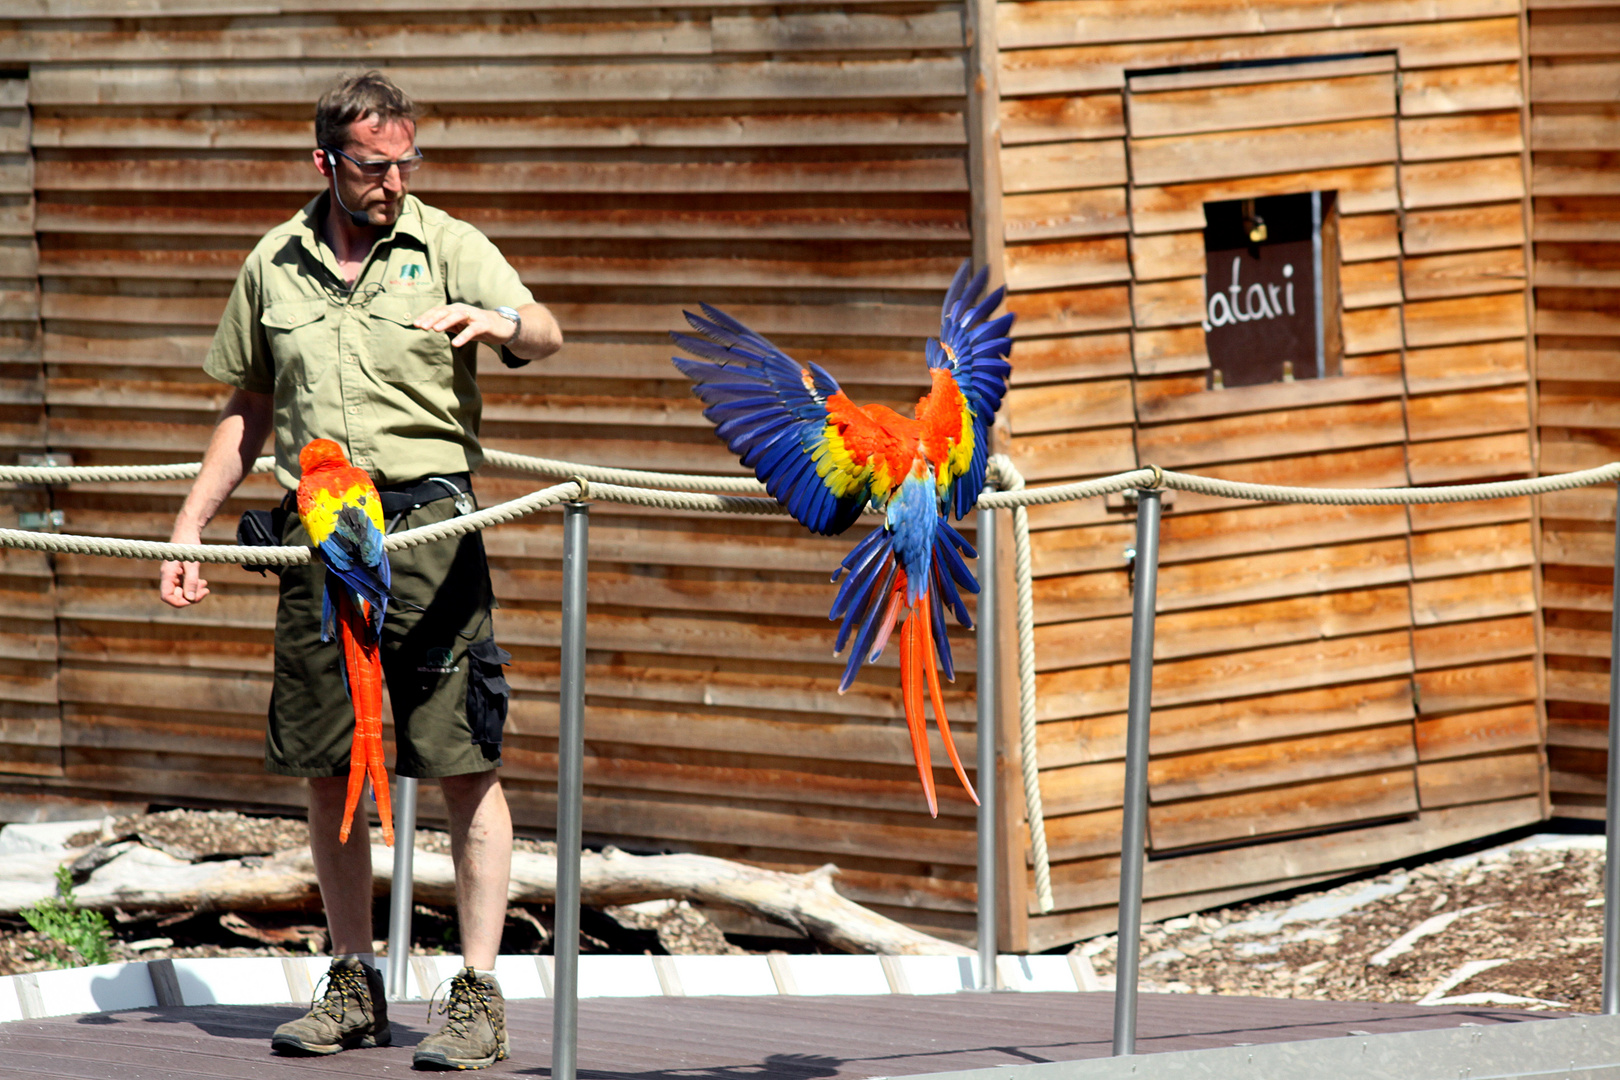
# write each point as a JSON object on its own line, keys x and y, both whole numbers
{"x": 342, "y": 513}
{"x": 825, "y": 458}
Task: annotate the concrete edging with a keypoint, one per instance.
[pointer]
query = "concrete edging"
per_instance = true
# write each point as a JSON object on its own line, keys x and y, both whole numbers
{"x": 264, "y": 980}
{"x": 1578, "y": 1048}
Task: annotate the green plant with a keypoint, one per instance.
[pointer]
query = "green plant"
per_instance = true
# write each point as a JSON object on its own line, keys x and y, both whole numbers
{"x": 61, "y": 919}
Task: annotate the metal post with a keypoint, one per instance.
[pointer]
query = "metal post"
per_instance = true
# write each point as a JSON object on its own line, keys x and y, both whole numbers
{"x": 1611, "y": 863}
{"x": 986, "y": 773}
{"x": 1138, "y": 705}
{"x": 401, "y": 895}
{"x": 570, "y": 794}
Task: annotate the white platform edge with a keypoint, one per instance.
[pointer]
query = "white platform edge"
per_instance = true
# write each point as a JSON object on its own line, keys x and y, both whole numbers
{"x": 270, "y": 980}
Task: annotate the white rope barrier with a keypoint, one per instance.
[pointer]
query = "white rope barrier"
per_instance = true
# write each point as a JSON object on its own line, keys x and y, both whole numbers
{"x": 1010, "y": 480}
{"x": 743, "y": 495}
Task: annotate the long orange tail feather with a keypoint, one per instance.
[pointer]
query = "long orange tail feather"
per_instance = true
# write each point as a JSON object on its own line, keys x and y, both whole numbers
{"x": 925, "y": 643}
{"x": 365, "y": 692}
{"x": 916, "y": 720}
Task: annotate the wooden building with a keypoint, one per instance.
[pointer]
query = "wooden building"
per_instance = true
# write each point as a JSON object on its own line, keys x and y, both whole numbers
{"x": 1335, "y": 688}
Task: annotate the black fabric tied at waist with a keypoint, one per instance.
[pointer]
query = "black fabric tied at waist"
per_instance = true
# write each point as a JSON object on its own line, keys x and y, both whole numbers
{"x": 400, "y": 499}
{"x": 263, "y": 528}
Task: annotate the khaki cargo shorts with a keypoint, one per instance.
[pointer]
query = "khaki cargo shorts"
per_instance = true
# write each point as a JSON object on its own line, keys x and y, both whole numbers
{"x": 439, "y": 657}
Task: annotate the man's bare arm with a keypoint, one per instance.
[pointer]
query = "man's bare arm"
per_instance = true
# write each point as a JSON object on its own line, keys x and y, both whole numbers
{"x": 243, "y": 426}
{"x": 538, "y": 335}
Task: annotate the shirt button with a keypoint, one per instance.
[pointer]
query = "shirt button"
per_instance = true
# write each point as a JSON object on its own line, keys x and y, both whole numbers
{"x": 354, "y": 410}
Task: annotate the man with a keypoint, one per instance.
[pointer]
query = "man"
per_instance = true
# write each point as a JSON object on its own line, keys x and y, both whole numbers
{"x": 358, "y": 321}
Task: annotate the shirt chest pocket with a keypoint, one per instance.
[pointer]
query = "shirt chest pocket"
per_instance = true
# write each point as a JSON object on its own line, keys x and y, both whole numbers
{"x": 297, "y": 332}
{"x": 400, "y": 352}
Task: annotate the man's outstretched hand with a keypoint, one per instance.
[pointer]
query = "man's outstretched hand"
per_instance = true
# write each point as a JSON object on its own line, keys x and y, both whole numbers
{"x": 468, "y": 323}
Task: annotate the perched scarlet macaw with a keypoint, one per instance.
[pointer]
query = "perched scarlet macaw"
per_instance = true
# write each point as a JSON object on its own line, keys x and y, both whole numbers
{"x": 342, "y": 513}
{"x": 825, "y": 458}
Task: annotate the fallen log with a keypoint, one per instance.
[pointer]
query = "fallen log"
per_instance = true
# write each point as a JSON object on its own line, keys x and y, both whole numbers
{"x": 135, "y": 877}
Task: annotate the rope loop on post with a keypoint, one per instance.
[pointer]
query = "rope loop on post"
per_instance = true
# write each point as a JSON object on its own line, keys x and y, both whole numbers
{"x": 584, "y": 488}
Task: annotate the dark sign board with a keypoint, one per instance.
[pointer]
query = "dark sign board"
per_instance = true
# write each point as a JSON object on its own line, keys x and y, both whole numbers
{"x": 1263, "y": 319}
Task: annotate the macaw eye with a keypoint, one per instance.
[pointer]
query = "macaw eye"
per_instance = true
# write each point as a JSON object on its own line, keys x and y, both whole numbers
{"x": 362, "y": 500}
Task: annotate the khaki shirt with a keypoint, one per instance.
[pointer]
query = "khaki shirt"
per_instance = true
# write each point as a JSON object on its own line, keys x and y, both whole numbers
{"x": 347, "y": 365}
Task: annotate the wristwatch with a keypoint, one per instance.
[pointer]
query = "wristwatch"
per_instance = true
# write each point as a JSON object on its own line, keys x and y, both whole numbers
{"x": 517, "y": 320}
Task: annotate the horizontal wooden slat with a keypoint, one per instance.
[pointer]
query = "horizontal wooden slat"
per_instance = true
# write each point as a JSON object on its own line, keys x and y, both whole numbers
{"x": 1468, "y": 734}
{"x": 1369, "y": 236}
{"x": 1436, "y": 44}
{"x": 536, "y": 127}
{"x": 1575, "y": 127}
{"x": 1430, "y": 232}
{"x": 1059, "y": 214}
{"x": 1284, "y": 761}
{"x": 1478, "y": 318}
{"x": 1180, "y": 207}
{"x": 1084, "y": 357}
{"x": 1220, "y": 155}
{"x": 1437, "y": 91}
{"x": 1447, "y": 783}
{"x": 1071, "y": 454}
{"x": 1574, "y": 174}
{"x": 1474, "y": 135}
{"x": 1473, "y": 596}
{"x": 1074, "y": 262}
{"x": 1062, "y": 119}
{"x": 1062, "y": 166}
{"x": 1586, "y": 79}
{"x": 1371, "y": 330}
{"x": 1096, "y": 882}
{"x": 1070, "y": 405}
{"x": 1161, "y": 352}
{"x": 1064, "y": 22}
{"x": 1167, "y": 255}
{"x": 1450, "y": 183}
{"x": 1478, "y": 412}
{"x": 1474, "y": 642}
{"x": 1590, "y": 28}
{"x": 1284, "y": 809}
{"x": 499, "y": 81}
{"x": 1168, "y": 303}
{"x": 1071, "y": 311}
{"x": 496, "y": 172}
{"x": 1157, "y": 402}
{"x": 1306, "y": 101}
{"x": 1278, "y": 716}
{"x": 1306, "y": 570}
{"x": 1370, "y": 284}
{"x": 1298, "y": 431}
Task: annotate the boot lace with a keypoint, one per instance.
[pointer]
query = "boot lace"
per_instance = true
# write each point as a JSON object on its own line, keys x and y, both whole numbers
{"x": 341, "y": 985}
{"x": 461, "y": 1007}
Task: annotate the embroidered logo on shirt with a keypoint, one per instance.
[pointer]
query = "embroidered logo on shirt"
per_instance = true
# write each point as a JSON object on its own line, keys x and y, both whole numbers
{"x": 409, "y": 272}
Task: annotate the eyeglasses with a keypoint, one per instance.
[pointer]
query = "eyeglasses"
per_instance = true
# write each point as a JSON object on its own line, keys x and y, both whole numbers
{"x": 376, "y": 170}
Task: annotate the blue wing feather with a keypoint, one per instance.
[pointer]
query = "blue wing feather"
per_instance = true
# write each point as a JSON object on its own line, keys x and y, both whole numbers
{"x": 771, "y": 412}
{"x": 354, "y": 554}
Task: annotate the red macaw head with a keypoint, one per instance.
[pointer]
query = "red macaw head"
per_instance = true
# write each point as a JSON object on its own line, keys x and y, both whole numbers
{"x": 321, "y": 454}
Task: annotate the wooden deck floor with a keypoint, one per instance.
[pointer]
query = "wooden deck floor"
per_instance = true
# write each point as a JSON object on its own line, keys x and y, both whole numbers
{"x": 713, "y": 1038}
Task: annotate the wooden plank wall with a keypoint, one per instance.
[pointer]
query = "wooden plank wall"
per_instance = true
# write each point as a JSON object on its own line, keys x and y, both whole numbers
{"x": 1372, "y": 671}
{"x": 30, "y": 721}
{"x": 1575, "y": 182}
{"x": 802, "y": 165}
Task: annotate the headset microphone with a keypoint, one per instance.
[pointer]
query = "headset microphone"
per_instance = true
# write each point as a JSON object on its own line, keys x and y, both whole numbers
{"x": 361, "y": 221}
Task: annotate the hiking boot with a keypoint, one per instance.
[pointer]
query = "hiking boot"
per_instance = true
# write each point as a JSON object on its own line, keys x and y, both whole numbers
{"x": 353, "y": 1013}
{"x": 474, "y": 1032}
